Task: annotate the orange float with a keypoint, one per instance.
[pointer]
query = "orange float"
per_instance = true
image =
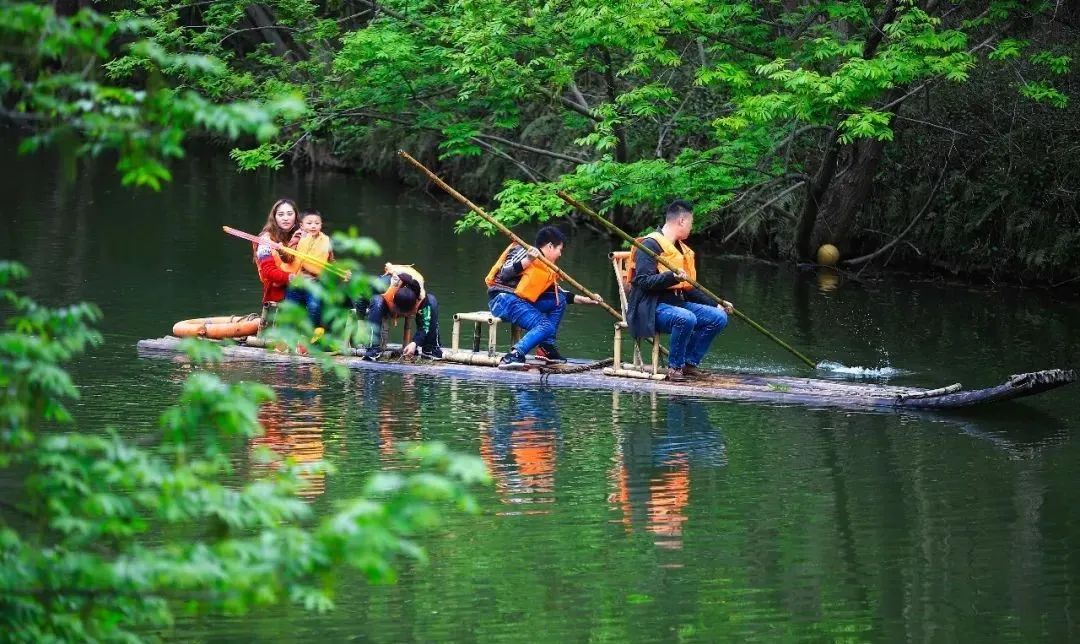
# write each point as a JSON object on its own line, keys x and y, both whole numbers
{"x": 216, "y": 328}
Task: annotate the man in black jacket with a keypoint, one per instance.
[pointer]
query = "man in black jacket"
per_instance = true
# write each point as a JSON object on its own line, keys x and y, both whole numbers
{"x": 663, "y": 300}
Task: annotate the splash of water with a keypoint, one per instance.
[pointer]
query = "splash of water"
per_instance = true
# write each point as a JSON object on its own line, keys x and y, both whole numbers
{"x": 860, "y": 372}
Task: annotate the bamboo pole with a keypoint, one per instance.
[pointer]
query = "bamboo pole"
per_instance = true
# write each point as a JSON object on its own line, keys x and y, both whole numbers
{"x": 509, "y": 233}
{"x": 618, "y": 231}
{"x": 334, "y": 270}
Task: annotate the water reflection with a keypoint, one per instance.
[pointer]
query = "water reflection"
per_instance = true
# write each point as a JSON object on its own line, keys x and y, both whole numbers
{"x": 293, "y": 430}
{"x": 828, "y": 279}
{"x": 520, "y": 446}
{"x": 652, "y": 473}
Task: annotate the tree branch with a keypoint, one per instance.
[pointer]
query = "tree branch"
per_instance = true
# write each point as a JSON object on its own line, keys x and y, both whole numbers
{"x": 491, "y": 137}
{"x": 529, "y": 148}
{"x": 535, "y": 177}
{"x": 765, "y": 205}
{"x": 578, "y": 95}
{"x": 379, "y": 8}
{"x": 891, "y": 104}
{"x": 877, "y": 253}
{"x": 878, "y": 33}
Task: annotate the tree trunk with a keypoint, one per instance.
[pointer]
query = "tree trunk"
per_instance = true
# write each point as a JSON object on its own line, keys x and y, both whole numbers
{"x": 814, "y": 196}
{"x": 846, "y": 194}
{"x": 262, "y": 18}
{"x": 620, "y": 215}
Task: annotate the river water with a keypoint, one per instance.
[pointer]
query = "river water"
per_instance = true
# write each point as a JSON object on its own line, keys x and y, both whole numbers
{"x": 613, "y": 516}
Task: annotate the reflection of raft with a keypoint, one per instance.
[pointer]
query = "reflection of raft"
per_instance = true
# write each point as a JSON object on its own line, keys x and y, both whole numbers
{"x": 727, "y": 386}
{"x": 217, "y": 328}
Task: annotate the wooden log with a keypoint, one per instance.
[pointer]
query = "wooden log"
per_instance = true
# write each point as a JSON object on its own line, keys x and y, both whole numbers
{"x": 726, "y": 386}
{"x": 930, "y": 393}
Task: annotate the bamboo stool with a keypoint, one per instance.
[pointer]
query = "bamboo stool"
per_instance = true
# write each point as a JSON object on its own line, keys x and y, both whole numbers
{"x": 479, "y": 319}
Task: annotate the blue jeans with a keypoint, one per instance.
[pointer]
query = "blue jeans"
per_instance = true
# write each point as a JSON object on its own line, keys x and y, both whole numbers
{"x": 540, "y": 319}
{"x": 308, "y": 301}
{"x": 692, "y": 327}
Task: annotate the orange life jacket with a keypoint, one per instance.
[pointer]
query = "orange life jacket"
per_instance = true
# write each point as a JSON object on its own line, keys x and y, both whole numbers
{"x": 388, "y": 295}
{"x": 670, "y": 253}
{"x": 535, "y": 280}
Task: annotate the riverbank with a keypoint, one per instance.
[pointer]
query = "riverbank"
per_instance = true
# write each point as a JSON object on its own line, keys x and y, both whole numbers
{"x": 481, "y": 179}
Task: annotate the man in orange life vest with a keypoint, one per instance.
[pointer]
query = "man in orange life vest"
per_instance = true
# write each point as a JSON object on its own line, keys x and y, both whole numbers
{"x": 663, "y": 300}
{"x": 522, "y": 290}
{"x": 404, "y": 295}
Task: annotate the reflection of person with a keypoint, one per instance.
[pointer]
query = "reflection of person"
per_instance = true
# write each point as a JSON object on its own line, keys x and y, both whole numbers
{"x": 523, "y": 291}
{"x": 652, "y": 473}
{"x": 663, "y": 300}
{"x": 316, "y": 244}
{"x": 404, "y": 294}
{"x": 395, "y": 424}
{"x": 521, "y": 448}
{"x": 275, "y": 271}
{"x": 293, "y": 428}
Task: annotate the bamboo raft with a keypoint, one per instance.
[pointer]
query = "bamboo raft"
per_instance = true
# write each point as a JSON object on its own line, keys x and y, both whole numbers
{"x": 467, "y": 364}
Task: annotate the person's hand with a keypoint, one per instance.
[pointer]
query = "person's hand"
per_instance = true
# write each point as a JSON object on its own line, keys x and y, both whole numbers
{"x": 289, "y": 267}
{"x": 409, "y": 350}
{"x": 728, "y": 307}
{"x": 584, "y": 299}
{"x": 532, "y": 254}
{"x": 682, "y": 276}
{"x": 347, "y": 276}
{"x": 395, "y": 281}
{"x": 297, "y": 234}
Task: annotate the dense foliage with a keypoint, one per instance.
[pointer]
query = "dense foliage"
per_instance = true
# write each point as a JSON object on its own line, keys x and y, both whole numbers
{"x": 103, "y": 538}
{"x": 788, "y": 124}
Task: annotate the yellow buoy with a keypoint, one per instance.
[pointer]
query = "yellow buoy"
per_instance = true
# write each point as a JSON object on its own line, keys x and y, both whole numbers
{"x": 828, "y": 255}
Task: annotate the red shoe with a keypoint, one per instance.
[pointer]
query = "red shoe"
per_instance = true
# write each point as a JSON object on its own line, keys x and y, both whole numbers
{"x": 549, "y": 353}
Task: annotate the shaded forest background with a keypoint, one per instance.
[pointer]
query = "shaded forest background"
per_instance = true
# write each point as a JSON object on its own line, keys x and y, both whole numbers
{"x": 918, "y": 134}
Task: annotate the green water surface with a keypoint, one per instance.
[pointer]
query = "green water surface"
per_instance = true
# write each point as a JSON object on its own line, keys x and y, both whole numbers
{"x": 613, "y": 517}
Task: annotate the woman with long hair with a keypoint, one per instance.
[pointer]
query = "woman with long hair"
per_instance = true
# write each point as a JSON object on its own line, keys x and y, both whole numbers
{"x": 276, "y": 269}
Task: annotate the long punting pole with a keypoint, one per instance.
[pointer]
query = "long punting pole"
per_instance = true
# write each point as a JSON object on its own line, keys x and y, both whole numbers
{"x": 334, "y": 270}
{"x": 618, "y": 231}
{"x": 509, "y": 233}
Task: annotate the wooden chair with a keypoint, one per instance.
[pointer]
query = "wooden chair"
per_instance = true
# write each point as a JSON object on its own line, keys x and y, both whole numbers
{"x": 637, "y": 368}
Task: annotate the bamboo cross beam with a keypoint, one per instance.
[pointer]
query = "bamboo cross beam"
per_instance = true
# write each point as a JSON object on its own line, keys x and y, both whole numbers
{"x": 509, "y": 233}
{"x": 334, "y": 270}
{"x": 618, "y": 231}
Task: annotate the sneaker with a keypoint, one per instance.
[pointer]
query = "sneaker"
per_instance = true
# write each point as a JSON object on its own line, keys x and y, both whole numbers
{"x": 432, "y": 355}
{"x": 513, "y": 360}
{"x": 549, "y": 353}
{"x": 694, "y": 371}
{"x": 371, "y": 354}
{"x": 675, "y": 375}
